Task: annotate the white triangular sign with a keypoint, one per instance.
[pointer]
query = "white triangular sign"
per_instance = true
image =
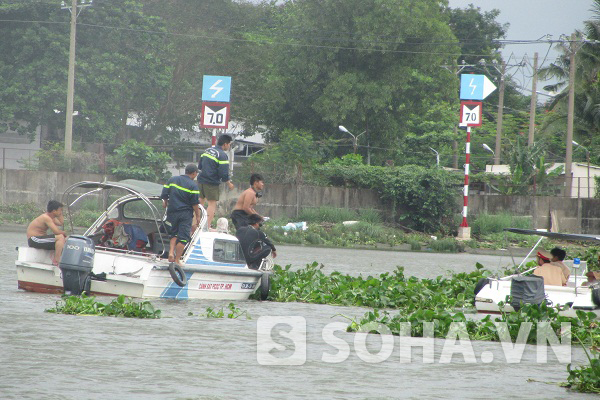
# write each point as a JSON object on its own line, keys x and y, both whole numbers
{"x": 488, "y": 87}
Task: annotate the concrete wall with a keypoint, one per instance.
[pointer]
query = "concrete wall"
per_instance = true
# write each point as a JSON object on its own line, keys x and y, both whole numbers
{"x": 23, "y": 186}
{"x": 571, "y": 215}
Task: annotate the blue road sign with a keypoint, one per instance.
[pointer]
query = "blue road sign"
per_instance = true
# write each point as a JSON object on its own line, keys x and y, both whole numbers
{"x": 475, "y": 87}
{"x": 216, "y": 88}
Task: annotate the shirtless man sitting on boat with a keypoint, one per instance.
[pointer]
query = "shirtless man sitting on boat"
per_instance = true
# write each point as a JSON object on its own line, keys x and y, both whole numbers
{"x": 37, "y": 231}
{"x": 552, "y": 274}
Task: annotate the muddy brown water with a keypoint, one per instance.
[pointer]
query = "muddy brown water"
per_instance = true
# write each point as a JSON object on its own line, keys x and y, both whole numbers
{"x": 49, "y": 356}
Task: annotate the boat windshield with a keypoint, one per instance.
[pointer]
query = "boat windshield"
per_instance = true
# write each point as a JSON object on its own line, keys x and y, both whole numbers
{"x": 229, "y": 251}
{"x": 138, "y": 209}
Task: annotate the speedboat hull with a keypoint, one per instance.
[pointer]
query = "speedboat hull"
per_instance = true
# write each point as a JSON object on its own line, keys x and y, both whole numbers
{"x": 139, "y": 276}
{"x": 498, "y": 290}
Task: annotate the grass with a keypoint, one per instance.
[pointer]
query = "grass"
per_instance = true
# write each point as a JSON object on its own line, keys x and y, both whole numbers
{"x": 485, "y": 224}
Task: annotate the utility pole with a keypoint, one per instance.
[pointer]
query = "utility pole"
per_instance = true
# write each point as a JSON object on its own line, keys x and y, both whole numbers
{"x": 71, "y": 79}
{"x": 570, "y": 112}
{"x": 499, "y": 118}
{"x": 533, "y": 105}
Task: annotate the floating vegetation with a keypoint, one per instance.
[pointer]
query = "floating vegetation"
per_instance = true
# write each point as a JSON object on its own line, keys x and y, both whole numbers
{"x": 586, "y": 379}
{"x": 233, "y": 313}
{"x": 388, "y": 290}
{"x": 523, "y": 326}
{"x": 120, "y": 307}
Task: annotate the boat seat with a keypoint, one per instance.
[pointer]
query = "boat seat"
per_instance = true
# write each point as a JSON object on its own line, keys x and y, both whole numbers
{"x": 160, "y": 247}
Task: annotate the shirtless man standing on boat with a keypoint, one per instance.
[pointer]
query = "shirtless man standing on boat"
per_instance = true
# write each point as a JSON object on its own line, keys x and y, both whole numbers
{"x": 244, "y": 207}
{"x": 37, "y": 231}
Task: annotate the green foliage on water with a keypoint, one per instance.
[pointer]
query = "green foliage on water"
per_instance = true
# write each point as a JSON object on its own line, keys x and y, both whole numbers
{"x": 388, "y": 290}
{"x": 233, "y": 312}
{"x": 586, "y": 379}
{"x": 508, "y": 326}
{"x": 120, "y": 307}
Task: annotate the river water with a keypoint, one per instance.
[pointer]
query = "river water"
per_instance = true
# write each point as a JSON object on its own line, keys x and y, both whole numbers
{"x": 182, "y": 356}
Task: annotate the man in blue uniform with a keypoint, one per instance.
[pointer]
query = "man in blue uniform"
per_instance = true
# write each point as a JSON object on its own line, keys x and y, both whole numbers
{"x": 214, "y": 169}
{"x": 181, "y": 198}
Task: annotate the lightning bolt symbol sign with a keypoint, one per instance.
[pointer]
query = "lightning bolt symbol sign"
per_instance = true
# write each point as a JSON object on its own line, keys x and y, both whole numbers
{"x": 471, "y": 85}
{"x": 216, "y": 88}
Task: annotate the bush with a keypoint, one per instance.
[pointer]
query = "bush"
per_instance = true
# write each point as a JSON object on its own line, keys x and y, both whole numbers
{"x": 136, "y": 160}
{"x": 53, "y": 158}
{"x": 485, "y": 224}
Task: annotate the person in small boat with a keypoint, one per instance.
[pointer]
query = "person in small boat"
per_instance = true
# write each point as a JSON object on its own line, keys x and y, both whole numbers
{"x": 37, "y": 231}
{"x": 255, "y": 244}
{"x": 552, "y": 274}
{"x": 593, "y": 277}
{"x": 180, "y": 197}
{"x": 247, "y": 200}
{"x": 214, "y": 169}
{"x": 558, "y": 255}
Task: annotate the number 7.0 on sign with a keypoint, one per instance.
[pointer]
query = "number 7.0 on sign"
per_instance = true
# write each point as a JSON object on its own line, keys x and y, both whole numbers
{"x": 470, "y": 113}
{"x": 214, "y": 115}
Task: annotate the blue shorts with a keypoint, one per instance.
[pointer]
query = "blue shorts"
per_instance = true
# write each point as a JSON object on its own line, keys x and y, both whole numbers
{"x": 180, "y": 224}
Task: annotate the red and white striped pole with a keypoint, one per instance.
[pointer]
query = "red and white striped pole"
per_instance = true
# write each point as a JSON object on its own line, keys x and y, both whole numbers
{"x": 464, "y": 223}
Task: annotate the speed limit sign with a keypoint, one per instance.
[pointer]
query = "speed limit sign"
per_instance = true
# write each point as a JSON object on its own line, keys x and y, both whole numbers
{"x": 470, "y": 113}
{"x": 214, "y": 115}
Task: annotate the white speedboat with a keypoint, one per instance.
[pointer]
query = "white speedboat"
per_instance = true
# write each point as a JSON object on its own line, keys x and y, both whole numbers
{"x": 573, "y": 297}
{"x": 125, "y": 252}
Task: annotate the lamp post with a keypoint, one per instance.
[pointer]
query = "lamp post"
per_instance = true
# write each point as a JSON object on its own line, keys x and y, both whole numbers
{"x": 354, "y": 138}
{"x": 587, "y": 156}
{"x": 437, "y": 157}
{"x": 74, "y": 9}
{"x": 488, "y": 148}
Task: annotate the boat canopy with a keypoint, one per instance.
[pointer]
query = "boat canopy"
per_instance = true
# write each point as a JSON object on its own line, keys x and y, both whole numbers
{"x": 133, "y": 186}
{"x": 556, "y": 235}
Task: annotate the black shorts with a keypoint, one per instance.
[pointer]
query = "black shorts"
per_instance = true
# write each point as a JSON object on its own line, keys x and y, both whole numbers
{"x": 46, "y": 242}
{"x": 239, "y": 218}
{"x": 181, "y": 224}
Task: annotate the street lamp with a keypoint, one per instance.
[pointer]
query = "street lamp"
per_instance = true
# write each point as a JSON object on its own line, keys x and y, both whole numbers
{"x": 354, "y": 138}
{"x": 488, "y": 148}
{"x": 437, "y": 157}
{"x": 587, "y": 156}
{"x": 74, "y": 9}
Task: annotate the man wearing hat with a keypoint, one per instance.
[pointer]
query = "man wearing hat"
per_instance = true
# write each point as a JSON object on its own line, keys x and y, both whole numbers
{"x": 255, "y": 244}
{"x": 180, "y": 197}
{"x": 552, "y": 274}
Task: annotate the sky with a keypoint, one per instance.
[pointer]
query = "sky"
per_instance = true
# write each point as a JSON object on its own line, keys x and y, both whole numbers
{"x": 530, "y": 20}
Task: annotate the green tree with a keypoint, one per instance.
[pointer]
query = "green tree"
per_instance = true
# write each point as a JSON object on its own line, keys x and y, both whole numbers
{"x": 136, "y": 160}
{"x": 122, "y": 67}
{"x": 368, "y": 65}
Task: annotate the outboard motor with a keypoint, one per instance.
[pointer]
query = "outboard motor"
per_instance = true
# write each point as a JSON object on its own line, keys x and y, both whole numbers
{"x": 526, "y": 290}
{"x": 76, "y": 263}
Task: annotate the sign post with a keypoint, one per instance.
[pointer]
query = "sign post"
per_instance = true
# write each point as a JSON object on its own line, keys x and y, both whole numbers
{"x": 215, "y": 103}
{"x": 472, "y": 87}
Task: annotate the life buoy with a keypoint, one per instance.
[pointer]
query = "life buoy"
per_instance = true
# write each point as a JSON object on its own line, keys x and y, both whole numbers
{"x": 265, "y": 285}
{"x": 177, "y": 274}
{"x": 482, "y": 282}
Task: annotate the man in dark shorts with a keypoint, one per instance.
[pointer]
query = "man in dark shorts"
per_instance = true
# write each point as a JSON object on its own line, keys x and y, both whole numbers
{"x": 214, "y": 169}
{"x": 247, "y": 200}
{"x": 255, "y": 244}
{"x": 181, "y": 198}
{"x": 37, "y": 231}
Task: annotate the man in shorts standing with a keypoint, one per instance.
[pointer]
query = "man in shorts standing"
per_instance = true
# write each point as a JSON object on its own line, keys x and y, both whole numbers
{"x": 37, "y": 231}
{"x": 214, "y": 169}
{"x": 180, "y": 198}
{"x": 247, "y": 200}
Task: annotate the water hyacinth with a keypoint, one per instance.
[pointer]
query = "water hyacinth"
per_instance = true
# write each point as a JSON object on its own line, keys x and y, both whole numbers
{"x": 388, "y": 290}
{"x": 119, "y": 307}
